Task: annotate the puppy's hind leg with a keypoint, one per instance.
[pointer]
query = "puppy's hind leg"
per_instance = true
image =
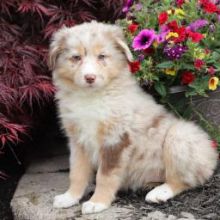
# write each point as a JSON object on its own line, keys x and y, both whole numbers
{"x": 173, "y": 183}
{"x": 189, "y": 161}
{"x": 80, "y": 175}
{"x": 171, "y": 187}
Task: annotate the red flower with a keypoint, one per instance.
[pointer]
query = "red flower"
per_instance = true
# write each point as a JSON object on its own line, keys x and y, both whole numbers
{"x": 134, "y": 66}
{"x": 187, "y": 78}
{"x": 210, "y": 7}
{"x": 195, "y": 36}
{"x": 173, "y": 26}
{"x": 181, "y": 31}
{"x": 198, "y": 64}
{"x": 211, "y": 70}
{"x": 132, "y": 28}
{"x": 180, "y": 2}
{"x": 162, "y": 18}
{"x": 214, "y": 144}
{"x": 149, "y": 51}
{"x": 202, "y": 2}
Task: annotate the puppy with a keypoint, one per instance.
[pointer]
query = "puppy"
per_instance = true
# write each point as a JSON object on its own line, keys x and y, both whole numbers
{"x": 116, "y": 130}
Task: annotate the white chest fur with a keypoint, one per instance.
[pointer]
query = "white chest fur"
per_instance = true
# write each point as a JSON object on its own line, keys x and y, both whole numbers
{"x": 86, "y": 115}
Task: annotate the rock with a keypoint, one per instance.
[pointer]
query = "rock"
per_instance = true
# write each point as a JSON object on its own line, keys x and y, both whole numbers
{"x": 156, "y": 215}
{"x": 34, "y": 195}
{"x": 33, "y": 200}
{"x": 187, "y": 215}
{"x": 171, "y": 217}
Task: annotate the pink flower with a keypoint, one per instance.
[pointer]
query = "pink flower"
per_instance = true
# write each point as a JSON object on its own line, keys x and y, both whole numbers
{"x": 144, "y": 39}
{"x": 214, "y": 144}
{"x": 180, "y": 2}
{"x": 211, "y": 70}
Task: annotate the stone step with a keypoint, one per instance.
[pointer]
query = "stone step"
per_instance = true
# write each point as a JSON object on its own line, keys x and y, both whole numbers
{"x": 47, "y": 176}
{"x": 34, "y": 198}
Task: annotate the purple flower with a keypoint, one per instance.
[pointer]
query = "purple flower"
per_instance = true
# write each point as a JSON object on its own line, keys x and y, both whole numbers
{"x": 141, "y": 57}
{"x": 164, "y": 28}
{"x": 175, "y": 52}
{"x": 144, "y": 39}
{"x": 127, "y": 6}
{"x": 218, "y": 17}
{"x": 200, "y": 23}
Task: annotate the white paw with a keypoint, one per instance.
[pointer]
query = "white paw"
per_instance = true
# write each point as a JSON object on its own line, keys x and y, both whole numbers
{"x": 65, "y": 200}
{"x": 91, "y": 207}
{"x": 160, "y": 194}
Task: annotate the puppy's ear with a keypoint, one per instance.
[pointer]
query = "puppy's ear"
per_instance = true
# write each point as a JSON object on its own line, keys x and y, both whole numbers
{"x": 120, "y": 40}
{"x": 125, "y": 49}
{"x": 56, "y": 46}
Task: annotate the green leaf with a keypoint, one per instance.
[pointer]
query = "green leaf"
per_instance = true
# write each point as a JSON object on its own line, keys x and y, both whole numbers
{"x": 160, "y": 88}
{"x": 187, "y": 66}
{"x": 215, "y": 55}
{"x": 166, "y": 64}
{"x": 187, "y": 114}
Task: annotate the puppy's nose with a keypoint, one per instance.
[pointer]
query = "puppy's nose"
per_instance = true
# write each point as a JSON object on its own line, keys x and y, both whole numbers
{"x": 90, "y": 78}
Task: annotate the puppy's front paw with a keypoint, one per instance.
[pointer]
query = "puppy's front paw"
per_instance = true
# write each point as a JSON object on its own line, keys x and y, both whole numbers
{"x": 65, "y": 200}
{"x": 160, "y": 194}
{"x": 92, "y": 207}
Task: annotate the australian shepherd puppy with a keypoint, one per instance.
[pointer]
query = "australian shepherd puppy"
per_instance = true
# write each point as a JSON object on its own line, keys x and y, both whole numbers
{"x": 115, "y": 130}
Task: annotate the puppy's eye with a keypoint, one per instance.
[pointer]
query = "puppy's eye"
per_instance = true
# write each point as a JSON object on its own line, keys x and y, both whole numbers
{"x": 76, "y": 58}
{"x": 101, "y": 56}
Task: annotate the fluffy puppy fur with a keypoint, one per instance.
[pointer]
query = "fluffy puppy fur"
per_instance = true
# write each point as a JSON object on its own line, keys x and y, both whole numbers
{"x": 115, "y": 128}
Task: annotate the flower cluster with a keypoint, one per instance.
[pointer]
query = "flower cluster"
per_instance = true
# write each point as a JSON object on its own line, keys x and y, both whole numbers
{"x": 175, "y": 43}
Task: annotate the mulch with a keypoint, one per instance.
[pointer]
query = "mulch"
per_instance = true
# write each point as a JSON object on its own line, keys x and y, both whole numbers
{"x": 203, "y": 202}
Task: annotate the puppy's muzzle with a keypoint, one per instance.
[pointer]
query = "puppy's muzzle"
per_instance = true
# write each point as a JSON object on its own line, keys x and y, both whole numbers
{"x": 90, "y": 78}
